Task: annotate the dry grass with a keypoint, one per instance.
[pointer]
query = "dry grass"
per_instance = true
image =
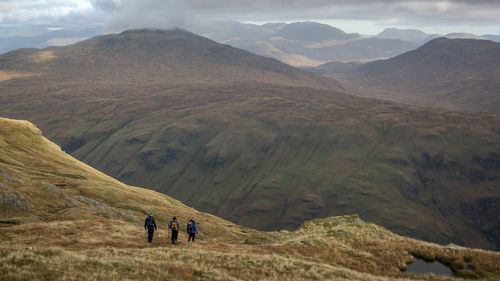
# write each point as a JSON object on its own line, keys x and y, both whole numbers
{"x": 8, "y": 75}
{"x": 349, "y": 242}
{"x": 43, "y": 56}
{"x": 50, "y": 185}
{"x": 163, "y": 263}
{"x": 117, "y": 250}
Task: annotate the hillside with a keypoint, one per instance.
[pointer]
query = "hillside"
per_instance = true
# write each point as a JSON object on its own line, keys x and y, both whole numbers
{"x": 457, "y": 74}
{"x": 176, "y": 57}
{"x": 251, "y": 150}
{"x": 63, "y": 220}
{"x": 41, "y": 183}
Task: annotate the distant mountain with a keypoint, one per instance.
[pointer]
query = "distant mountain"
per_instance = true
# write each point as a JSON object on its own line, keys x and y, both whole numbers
{"x": 309, "y": 44}
{"x": 458, "y": 35}
{"x": 313, "y": 32}
{"x": 409, "y": 35}
{"x": 52, "y": 38}
{"x": 229, "y": 30}
{"x": 255, "y": 141}
{"x": 459, "y": 74}
{"x": 430, "y": 38}
{"x": 494, "y": 38}
{"x": 420, "y": 37}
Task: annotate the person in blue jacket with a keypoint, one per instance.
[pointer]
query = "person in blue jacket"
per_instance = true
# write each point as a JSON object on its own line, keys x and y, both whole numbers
{"x": 174, "y": 226}
{"x": 191, "y": 230}
{"x": 150, "y": 226}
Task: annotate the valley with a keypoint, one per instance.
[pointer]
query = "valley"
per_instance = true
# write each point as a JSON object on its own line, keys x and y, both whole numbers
{"x": 63, "y": 220}
{"x": 246, "y": 137}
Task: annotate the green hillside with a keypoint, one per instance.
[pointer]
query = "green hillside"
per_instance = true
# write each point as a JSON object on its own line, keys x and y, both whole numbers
{"x": 265, "y": 155}
{"x": 63, "y": 220}
{"x": 41, "y": 183}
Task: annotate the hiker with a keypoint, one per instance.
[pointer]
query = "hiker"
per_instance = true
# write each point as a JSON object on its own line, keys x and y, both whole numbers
{"x": 174, "y": 225}
{"x": 150, "y": 226}
{"x": 191, "y": 229}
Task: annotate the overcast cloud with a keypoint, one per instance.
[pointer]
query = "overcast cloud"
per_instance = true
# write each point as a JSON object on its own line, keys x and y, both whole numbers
{"x": 19, "y": 17}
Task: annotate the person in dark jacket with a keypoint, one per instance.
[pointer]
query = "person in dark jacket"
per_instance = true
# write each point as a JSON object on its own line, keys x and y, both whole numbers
{"x": 150, "y": 226}
{"x": 191, "y": 230}
{"x": 174, "y": 225}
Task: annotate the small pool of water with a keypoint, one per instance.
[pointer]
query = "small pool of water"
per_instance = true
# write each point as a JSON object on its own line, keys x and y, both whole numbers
{"x": 420, "y": 266}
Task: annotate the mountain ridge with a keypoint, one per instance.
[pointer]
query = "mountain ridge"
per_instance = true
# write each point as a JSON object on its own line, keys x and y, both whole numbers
{"x": 148, "y": 54}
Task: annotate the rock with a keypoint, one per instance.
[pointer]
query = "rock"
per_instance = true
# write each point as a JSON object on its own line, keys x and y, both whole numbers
{"x": 358, "y": 220}
{"x": 341, "y": 221}
{"x": 17, "y": 202}
{"x": 7, "y": 176}
{"x": 112, "y": 216}
{"x": 72, "y": 202}
{"x": 34, "y": 219}
{"x": 338, "y": 233}
{"x": 51, "y": 188}
{"x": 451, "y": 245}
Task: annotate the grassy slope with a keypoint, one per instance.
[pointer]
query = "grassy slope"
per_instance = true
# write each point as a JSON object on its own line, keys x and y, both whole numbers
{"x": 243, "y": 149}
{"x": 42, "y": 183}
{"x": 74, "y": 243}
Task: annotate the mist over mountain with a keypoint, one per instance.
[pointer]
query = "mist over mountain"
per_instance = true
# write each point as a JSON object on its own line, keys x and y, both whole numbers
{"x": 462, "y": 35}
{"x": 459, "y": 74}
{"x": 247, "y": 137}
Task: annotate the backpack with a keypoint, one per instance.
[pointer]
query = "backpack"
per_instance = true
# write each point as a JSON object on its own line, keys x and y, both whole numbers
{"x": 149, "y": 222}
{"x": 190, "y": 226}
{"x": 174, "y": 226}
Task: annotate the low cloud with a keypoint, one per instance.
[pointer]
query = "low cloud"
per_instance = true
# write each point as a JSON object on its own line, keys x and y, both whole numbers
{"x": 124, "y": 14}
{"x": 169, "y": 13}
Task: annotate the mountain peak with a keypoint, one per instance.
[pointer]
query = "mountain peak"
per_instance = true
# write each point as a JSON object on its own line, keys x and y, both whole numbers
{"x": 460, "y": 74}
{"x": 410, "y": 35}
{"x": 313, "y": 32}
{"x": 173, "y": 56}
{"x": 143, "y": 38}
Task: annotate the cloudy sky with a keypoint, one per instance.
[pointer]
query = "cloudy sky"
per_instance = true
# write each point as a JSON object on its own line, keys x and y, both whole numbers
{"x": 31, "y": 17}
